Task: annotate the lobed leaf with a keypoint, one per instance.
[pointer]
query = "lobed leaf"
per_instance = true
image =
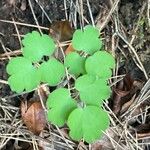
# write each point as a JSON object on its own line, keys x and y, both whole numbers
{"x": 35, "y": 46}
{"x": 52, "y": 71}
{"x": 92, "y": 90}
{"x": 60, "y": 104}
{"x": 100, "y": 64}
{"x": 87, "y": 40}
{"x": 75, "y": 63}
{"x": 24, "y": 76}
{"x": 87, "y": 123}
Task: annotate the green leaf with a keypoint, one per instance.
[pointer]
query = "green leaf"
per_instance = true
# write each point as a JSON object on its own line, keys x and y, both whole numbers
{"x": 60, "y": 104}
{"x": 52, "y": 71}
{"x": 92, "y": 90}
{"x": 100, "y": 64}
{"x": 75, "y": 63}
{"x": 24, "y": 76}
{"x": 87, "y": 40}
{"x": 88, "y": 122}
{"x": 35, "y": 46}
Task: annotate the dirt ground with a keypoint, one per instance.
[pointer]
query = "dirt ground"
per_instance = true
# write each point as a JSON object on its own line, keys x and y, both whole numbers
{"x": 125, "y": 29}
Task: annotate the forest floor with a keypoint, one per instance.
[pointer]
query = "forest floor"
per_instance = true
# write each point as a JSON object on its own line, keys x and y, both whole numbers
{"x": 125, "y": 30}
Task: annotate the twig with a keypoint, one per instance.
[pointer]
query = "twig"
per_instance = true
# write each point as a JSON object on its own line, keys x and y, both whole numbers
{"x": 4, "y": 48}
{"x": 90, "y": 12}
{"x": 109, "y": 14}
{"x": 19, "y": 38}
{"x": 44, "y": 11}
{"x": 3, "y": 81}
{"x": 34, "y": 16}
{"x": 64, "y": 138}
{"x": 24, "y": 24}
{"x": 141, "y": 67}
{"x": 65, "y": 6}
{"x": 148, "y": 11}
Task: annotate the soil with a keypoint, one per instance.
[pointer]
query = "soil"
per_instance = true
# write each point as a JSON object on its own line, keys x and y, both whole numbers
{"x": 133, "y": 20}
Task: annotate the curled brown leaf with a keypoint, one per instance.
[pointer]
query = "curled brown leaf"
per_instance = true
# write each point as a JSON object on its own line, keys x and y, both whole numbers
{"x": 61, "y": 30}
{"x": 33, "y": 116}
{"x": 124, "y": 94}
{"x": 121, "y": 93}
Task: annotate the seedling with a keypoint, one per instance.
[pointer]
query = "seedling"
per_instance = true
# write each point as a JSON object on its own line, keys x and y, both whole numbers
{"x": 91, "y": 68}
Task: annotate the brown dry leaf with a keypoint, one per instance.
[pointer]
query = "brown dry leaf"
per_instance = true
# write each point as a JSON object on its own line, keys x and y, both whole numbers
{"x": 127, "y": 105}
{"x": 69, "y": 49}
{"x": 33, "y": 116}
{"x": 140, "y": 108}
{"x": 143, "y": 128}
{"x": 124, "y": 94}
{"x": 142, "y": 131}
{"x": 121, "y": 93}
{"x": 61, "y": 30}
{"x": 137, "y": 85}
{"x": 97, "y": 146}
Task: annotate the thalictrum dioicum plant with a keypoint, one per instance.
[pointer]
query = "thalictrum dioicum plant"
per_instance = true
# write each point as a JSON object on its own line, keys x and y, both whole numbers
{"x": 89, "y": 64}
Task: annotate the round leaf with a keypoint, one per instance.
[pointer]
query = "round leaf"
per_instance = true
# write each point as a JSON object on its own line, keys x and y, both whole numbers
{"x": 87, "y": 40}
{"x": 60, "y": 105}
{"x": 87, "y": 123}
{"x": 100, "y": 64}
{"x": 75, "y": 63}
{"x": 52, "y": 72}
{"x": 35, "y": 46}
{"x": 24, "y": 76}
{"x": 92, "y": 90}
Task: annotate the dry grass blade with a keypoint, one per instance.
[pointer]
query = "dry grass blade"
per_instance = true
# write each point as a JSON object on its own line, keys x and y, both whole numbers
{"x": 24, "y": 24}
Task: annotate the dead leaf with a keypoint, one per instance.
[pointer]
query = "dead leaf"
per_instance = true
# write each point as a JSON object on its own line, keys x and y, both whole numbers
{"x": 125, "y": 93}
{"x": 143, "y": 128}
{"x": 142, "y": 131}
{"x": 121, "y": 93}
{"x": 33, "y": 116}
{"x": 61, "y": 30}
{"x": 69, "y": 49}
{"x": 127, "y": 105}
{"x": 97, "y": 146}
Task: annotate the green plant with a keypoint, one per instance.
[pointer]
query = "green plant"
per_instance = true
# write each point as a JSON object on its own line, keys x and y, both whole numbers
{"x": 91, "y": 68}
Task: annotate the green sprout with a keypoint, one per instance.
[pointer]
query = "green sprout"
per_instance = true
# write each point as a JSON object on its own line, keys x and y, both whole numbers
{"x": 87, "y": 123}
{"x": 35, "y": 46}
{"x": 92, "y": 90}
{"x": 87, "y": 40}
{"x": 75, "y": 63}
{"x": 91, "y": 68}
{"x": 60, "y": 105}
{"x": 24, "y": 76}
